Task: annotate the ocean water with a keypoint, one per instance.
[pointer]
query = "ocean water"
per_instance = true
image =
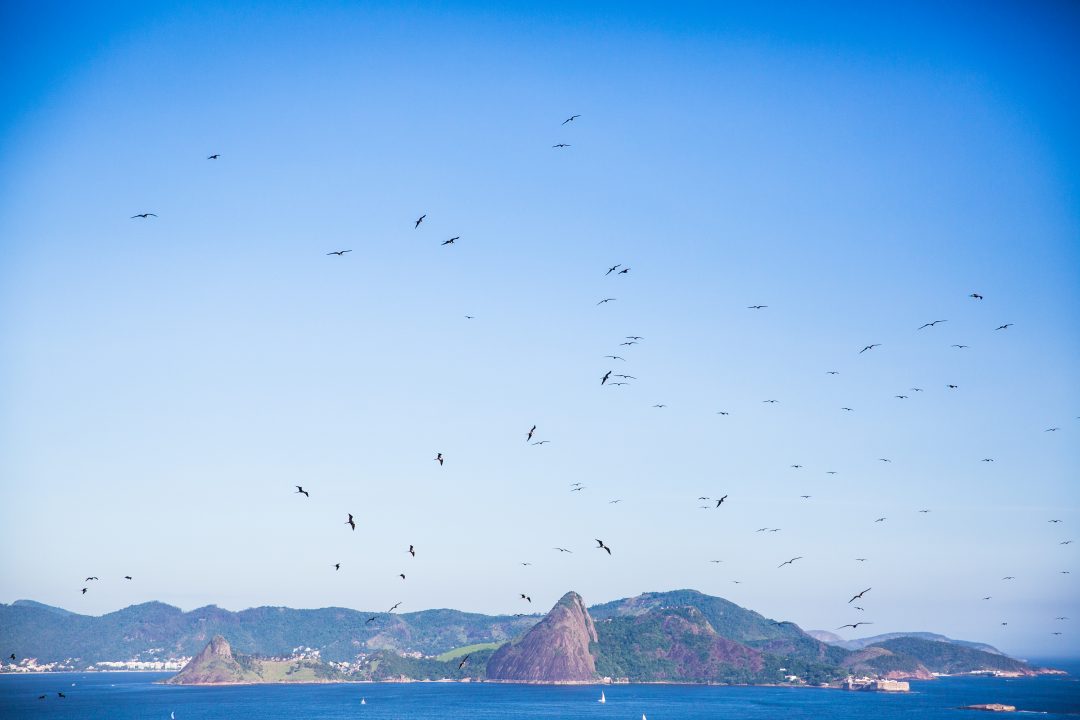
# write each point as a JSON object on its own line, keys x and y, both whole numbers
{"x": 134, "y": 696}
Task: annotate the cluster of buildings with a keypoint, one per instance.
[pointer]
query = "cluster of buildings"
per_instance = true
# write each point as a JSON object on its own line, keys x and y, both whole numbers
{"x": 30, "y": 665}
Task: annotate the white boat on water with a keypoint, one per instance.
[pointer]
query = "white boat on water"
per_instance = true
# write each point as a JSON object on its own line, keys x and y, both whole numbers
{"x": 363, "y": 701}
{"x": 602, "y": 698}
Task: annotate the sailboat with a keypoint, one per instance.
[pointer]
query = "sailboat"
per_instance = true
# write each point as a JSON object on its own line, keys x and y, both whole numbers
{"x": 602, "y": 698}
{"x": 172, "y": 715}
{"x": 363, "y": 701}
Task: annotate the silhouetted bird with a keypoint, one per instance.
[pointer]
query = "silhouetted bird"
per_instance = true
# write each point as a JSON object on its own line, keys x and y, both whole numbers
{"x": 606, "y": 300}
{"x": 605, "y": 378}
{"x": 601, "y": 546}
{"x": 854, "y": 625}
{"x": 451, "y": 240}
{"x": 418, "y": 221}
{"x": 439, "y": 459}
{"x": 528, "y": 437}
{"x": 721, "y": 501}
{"x": 350, "y": 522}
{"x": 463, "y": 661}
{"x": 931, "y": 324}
{"x": 301, "y": 491}
{"x": 561, "y": 145}
{"x": 412, "y": 551}
{"x": 339, "y": 253}
{"x": 337, "y": 566}
{"x": 1006, "y": 326}
{"x": 789, "y": 562}
{"x": 869, "y": 347}
{"x": 526, "y": 597}
{"x": 143, "y": 216}
{"x": 612, "y": 269}
{"x": 570, "y": 119}
{"x": 215, "y": 156}
{"x": 856, "y": 597}
{"x": 756, "y": 307}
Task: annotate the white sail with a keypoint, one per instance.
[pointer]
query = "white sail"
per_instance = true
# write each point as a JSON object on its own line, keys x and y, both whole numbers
{"x": 602, "y": 698}
{"x": 363, "y": 701}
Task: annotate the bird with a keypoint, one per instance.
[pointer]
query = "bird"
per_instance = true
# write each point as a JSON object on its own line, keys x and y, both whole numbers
{"x": 860, "y": 609}
{"x": 660, "y": 406}
{"x": 770, "y": 401}
{"x": 915, "y": 389}
{"x": 337, "y": 566}
{"x": 561, "y": 145}
{"x": 350, "y": 522}
{"x": 463, "y": 661}
{"x": 884, "y": 460}
{"x": 541, "y": 442}
{"x": 977, "y": 296}
{"x": 339, "y": 253}
{"x": 860, "y": 559}
{"x": 395, "y": 607}
{"x": 716, "y": 561}
{"x": 439, "y": 459}
{"x": 60, "y": 694}
{"x": 634, "y": 337}
{"x": 805, "y": 497}
{"x": 370, "y": 620}
{"x": 450, "y": 241}
{"x": 300, "y": 490}
{"x": 526, "y": 597}
{"x": 623, "y": 271}
{"x": 1065, "y": 542}
{"x": 215, "y": 156}
{"x": 832, "y": 372}
{"x": 1009, "y": 577}
{"x": 924, "y": 511}
{"x": 401, "y": 575}
{"x": 411, "y": 551}
{"x": 952, "y": 387}
{"x": 570, "y": 119}
{"x": 1006, "y": 326}
{"x": 1053, "y": 429}
{"x": 143, "y": 216}
{"x": 961, "y": 347}
{"x": 721, "y": 501}
{"x": 830, "y": 472}
{"x": 628, "y": 343}
{"x": 988, "y": 459}
{"x": 988, "y": 597}
{"x": 628, "y": 377}
{"x": 606, "y": 300}
{"x": 419, "y": 220}
{"x": 92, "y": 577}
{"x": 854, "y": 625}
{"x": 931, "y": 324}
{"x": 526, "y": 564}
{"x": 127, "y": 577}
{"x": 601, "y": 546}
{"x": 40, "y": 697}
{"x": 563, "y": 550}
{"x": 469, "y": 317}
{"x": 12, "y": 656}
{"x": 721, "y": 412}
{"x": 528, "y": 436}
{"x": 612, "y": 269}
{"x": 869, "y": 347}
{"x": 856, "y": 597}
{"x": 901, "y": 397}
{"x": 789, "y": 562}
{"x": 577, "y": 489}
{"x": 614, "y": 502}
{"x": 847, "y": 409}
{"x": 616, "y": 357}
{"x": 796, "y": 466}
{"x": 84, "y": 591}
{"x": 756, "y": 307}
{"x": 605, "y": 378}
{"x": 1053, "y": 521}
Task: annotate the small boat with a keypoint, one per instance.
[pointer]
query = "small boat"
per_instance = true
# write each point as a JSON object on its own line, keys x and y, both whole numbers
{"x": 172, "y": 715}
{"x": 602, "y": 698}
{"x": 363, "y": 701}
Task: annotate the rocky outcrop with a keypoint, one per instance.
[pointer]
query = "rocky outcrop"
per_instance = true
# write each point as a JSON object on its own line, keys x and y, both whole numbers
{"x": 215, "y": 665}
{"x": 557, "y": 649}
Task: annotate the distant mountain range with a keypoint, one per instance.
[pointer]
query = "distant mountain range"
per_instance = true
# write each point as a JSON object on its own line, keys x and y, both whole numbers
{"x": 678, "y": 636}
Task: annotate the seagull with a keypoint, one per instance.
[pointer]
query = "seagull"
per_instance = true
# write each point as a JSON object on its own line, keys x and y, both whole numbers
{"x": 339, "y": 253}
{"x": 300, "y": 490}
{"x": 411, "y": 551}
{"x": 854, "y": 625}
{"x": 143, "y": 216}
{"x": 601, "y": 546}
{"x": 869, "y": 347}
{"x": 788, "y": 562}
{"x": 450, "y": 241}
{"x": 561, "y": 145}
{"x": 605, "y": 300}
{"x": 721, "y": 501}
{"x": 605, "y": 378}
{"x": 570, "y": 119}
{"x": 932, "y": 324}
{"x": 350, "y": 522}
{"x": 612, "y": 269}
{"x": 856, "y": 597}
{"x": 439, "y": 458}
{"x": 977, "y": 296}
{"x": 1006, "y": 326}
{"x": 419, "y": 220}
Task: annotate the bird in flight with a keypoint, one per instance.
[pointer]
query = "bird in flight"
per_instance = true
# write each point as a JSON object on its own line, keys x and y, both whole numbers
{"x": 561, "y": 145}
{"x": 628, "y": 343}
{"x": 605, "y": 378}
{"x": 869, "y": 347}
{"x": 856, "y": 597}
{"x": 411, "y": 551}
{"x": 601, "y": 546}
{"x": 93, "y": 577}
{"x": 721, "y": 501}
{"x": 931, "y": 324}
{"x": 463, "y": 661}
{"x": 660, "y": 406}
{"x": 612, "y": 269}
{"x": 419, "y": 220}
{"x": 616, "y": 357}
{"x": 337, "y": 566}
{"x": 756, "y": 307}
{"x": 528, "y": 436}
{"x": 541, "y": 442}
{"x": 924, "y": 511}
{"x": 606, "y": 300}
{"x": 770, "y": 401}
{"x": 339, "y": 253}
{"x": 977, "y": 296}
{"x": 451, "y": 240}
{"x": 84, "y": 591}
{"x": 880, "y": 519}
{"x": 1006, "y": 326}
{"x": 952, "y": 387}
{"x": 577, "y": 489}
{"x": 721, "y": 412}
{"x": 796, "y": 466}
{"x": 716, "y": 561}
{"x": 623, "y": 271}
{"x": 854, "y": 625}
{"x": 805, "y": 497}
{"x": 370, "y": 620}
{"x": 901, "y": 397}
{"x": 300, "y": 490}
{"x": 961, "y": 347}
{"x": 395, "y": 607}
{"x": 526, "y": 597}
{"x": 401, "y": 575}
{"x": 143, "y": 216}
{"x": 127, "y": 577}
{"x": 860, "y": 559}
{"x": 563, "y": 550}
{"x": 570, "y": 119}
{"x": 1009, "y": 577}
{"x": 789, "y": 562}
{"x": 215, "y": 156}
{"x": 634, "y": 337}
{"x": 884, "y": 460}
{"x": 350, "y": 522}
{"x": 1053, "y": 521}
{"x": 626, "y": 377}
{"x": 988, "y": 459}
{"x": 439, "y": 459}
{"x": 832, "y": 372}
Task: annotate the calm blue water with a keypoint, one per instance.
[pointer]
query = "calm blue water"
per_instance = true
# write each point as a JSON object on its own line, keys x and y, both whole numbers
{"x": 133, "y": 696}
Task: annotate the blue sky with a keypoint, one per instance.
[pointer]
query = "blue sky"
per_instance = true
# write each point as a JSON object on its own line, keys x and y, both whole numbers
{"x": 165, "y": 383}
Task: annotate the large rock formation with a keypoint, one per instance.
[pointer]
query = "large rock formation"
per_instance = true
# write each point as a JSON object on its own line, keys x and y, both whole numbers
{"x": 557, "y": 649}
{"x": 215, "y": 665}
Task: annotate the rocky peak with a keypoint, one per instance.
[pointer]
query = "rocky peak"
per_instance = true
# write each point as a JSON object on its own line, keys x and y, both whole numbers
{"x": 557, "y": 649}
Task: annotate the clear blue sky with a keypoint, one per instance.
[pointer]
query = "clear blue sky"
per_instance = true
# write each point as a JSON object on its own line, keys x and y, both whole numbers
{"x": 165, "y": 383}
